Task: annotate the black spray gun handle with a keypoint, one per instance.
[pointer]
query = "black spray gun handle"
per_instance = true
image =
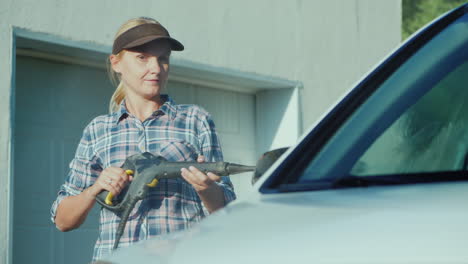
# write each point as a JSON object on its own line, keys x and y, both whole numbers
{"x": 147, "y": 169}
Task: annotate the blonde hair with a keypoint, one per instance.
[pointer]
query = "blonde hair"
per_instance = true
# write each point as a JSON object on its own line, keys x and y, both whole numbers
{"x": 119, "y": 93}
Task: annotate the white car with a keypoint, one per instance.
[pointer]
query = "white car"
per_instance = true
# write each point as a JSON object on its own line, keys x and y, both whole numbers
{"x": 382, "y": 178}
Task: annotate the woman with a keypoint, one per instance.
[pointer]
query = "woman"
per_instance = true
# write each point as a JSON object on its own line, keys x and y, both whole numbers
{"x": 142, "y": 119}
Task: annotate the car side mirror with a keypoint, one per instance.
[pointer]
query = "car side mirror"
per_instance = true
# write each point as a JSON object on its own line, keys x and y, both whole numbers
{"x": 265, "y": 161}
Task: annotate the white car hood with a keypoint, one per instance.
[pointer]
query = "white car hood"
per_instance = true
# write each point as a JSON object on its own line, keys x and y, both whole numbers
{"x": 424, "y": 223}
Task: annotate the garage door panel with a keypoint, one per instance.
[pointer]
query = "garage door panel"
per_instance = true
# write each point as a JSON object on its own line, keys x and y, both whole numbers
{"x": 79, "y": 246}
{"x": 35, "y": 96}
{"x": 247, "y": 118}
{"x": 60, "y": 97}
{"x": 96, "y": 97}
{"x": 23, "y": 214}
{"x": 232, "y": 140}
{"x": 40, "y": 156}
{"x": 33, "y": 101}
{"x": 34, "y": 162}
{"x": 181, "y": 93}
{"x": 68, "y": 149}
{"x": 240, "y": 154}
{"x": 223, "y": 107}
{"x": 91, "y": 220}
{"x": 33, "y": 241}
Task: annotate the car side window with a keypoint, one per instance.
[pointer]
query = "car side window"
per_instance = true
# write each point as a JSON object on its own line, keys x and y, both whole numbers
{"x": 431, "y": 135}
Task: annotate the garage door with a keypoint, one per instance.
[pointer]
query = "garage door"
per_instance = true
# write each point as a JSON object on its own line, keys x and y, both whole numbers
{"x": 234, "y": 117}
{"x": 54, "y": 101}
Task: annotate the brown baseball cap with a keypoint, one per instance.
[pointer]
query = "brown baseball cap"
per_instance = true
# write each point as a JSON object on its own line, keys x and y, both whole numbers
{"x": 143, "y": 34}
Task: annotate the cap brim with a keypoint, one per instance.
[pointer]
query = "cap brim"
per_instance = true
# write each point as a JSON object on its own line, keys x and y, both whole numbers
{"x": 175, "y": 45}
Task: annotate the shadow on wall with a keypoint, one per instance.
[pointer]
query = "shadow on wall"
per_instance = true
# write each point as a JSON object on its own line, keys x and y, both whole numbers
{"x": 275, "y": 126}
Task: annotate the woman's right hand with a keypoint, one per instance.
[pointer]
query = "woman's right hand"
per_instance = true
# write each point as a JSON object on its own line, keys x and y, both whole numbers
{"x": 72, "y": 211}
{"x": 112, "y": 179}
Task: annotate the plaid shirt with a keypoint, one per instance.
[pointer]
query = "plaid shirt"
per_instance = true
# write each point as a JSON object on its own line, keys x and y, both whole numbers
{"x": 176, "y": 132}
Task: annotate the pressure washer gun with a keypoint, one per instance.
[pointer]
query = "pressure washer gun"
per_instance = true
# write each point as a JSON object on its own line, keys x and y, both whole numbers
{"x": 147, "y": 169}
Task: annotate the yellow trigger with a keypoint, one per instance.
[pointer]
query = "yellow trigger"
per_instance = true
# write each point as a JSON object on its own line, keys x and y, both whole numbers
{"x": 109, "y": 197}
{"x": 153, "y": 183}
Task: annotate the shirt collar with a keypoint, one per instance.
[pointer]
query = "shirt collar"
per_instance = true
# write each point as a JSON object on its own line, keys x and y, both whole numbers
{"x": 168, "y": 108}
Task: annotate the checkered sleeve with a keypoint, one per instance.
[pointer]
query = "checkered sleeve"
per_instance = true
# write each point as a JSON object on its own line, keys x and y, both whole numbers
{"x": 211, "y": 149}
{"x": 83, "y": 170}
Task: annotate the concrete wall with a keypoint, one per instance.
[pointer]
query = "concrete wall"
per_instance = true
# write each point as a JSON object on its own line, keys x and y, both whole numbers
{"x": 326, "y": 45}
{"x": 340, "y": 47}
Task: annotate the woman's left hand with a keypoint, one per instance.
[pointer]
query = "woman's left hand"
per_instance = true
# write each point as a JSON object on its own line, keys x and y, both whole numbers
{"x": 211, "y": 194}
{"x": 200, "y": 181}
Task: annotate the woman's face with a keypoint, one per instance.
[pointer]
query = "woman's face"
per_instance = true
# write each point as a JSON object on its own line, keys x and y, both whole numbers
{"x": 144, "y": 69}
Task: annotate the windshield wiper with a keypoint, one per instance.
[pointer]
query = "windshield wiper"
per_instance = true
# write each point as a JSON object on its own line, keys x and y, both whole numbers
{"x": 305, "y": 186}
{"x": 395, "y": 179}
{"x": 352, "y": 181}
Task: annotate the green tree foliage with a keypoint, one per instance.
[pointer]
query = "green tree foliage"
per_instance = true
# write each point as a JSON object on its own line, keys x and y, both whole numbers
{"x": 417, "y": 13}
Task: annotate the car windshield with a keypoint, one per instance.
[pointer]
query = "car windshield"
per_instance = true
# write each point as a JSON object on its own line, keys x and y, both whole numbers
{"x": 416, "y": 122}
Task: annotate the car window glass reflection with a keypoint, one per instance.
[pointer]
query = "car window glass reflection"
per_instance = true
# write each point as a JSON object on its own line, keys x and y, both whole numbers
{"x": 430, "y": 136}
